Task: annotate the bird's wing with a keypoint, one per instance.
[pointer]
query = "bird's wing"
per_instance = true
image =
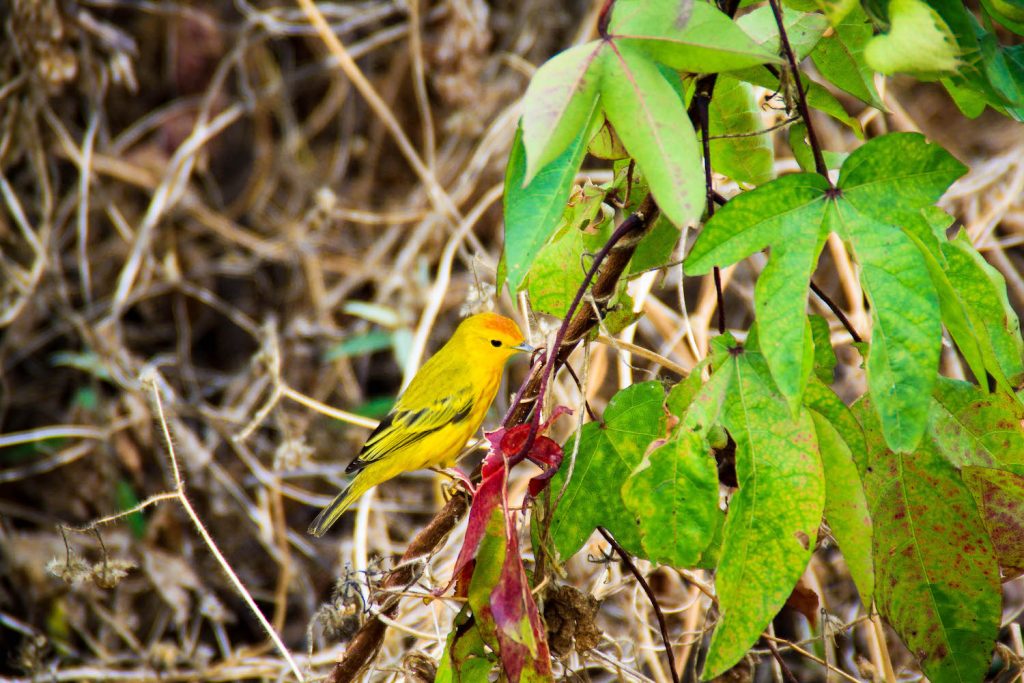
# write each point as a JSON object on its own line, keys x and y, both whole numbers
{"x": 406, "y": 425}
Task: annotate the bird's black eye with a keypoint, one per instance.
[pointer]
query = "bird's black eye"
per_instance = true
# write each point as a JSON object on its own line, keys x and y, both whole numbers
{"x": 495, "y": 343}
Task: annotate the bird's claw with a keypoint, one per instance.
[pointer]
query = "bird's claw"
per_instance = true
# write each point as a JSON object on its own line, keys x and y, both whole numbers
{"x": 458, "y": 478}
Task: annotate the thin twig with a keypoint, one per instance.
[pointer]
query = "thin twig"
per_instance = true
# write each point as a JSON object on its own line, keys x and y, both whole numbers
{"x": 837, "y": 311}
{"x": 367, "y": 642}
{"x": 755, "y": 133}
{"x": 782, "y": 664}
{"x": 646, "y": 354}
{"x": 662, "y": 624}
{"x": 149, "y": 379}
{"x": 438, "y": 197}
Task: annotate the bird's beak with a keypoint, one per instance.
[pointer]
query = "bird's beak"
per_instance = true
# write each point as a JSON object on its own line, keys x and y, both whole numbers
{"x": 524, "y": 347}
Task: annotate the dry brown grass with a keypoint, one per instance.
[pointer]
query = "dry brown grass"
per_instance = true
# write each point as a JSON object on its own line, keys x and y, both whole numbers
{"x": 199, "y": 202}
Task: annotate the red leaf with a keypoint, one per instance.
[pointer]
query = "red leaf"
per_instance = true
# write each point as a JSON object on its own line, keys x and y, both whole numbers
{"x": 506, "y": 452}
{"x": 512, "y": 604}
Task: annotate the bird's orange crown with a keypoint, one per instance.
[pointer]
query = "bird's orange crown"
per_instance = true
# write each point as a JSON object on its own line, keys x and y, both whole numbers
{"x": 499, "y": 323}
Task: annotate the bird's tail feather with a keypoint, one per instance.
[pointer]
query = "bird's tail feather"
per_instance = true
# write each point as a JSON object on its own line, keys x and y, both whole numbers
{"x": 337, "y": 507}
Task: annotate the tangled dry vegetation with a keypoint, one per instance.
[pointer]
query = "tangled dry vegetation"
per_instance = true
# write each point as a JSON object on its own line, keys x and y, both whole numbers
{"x": 209, "y": 221}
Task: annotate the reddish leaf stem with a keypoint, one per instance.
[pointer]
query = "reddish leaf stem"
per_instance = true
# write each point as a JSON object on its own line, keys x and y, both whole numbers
{"x": 801, "y": 98}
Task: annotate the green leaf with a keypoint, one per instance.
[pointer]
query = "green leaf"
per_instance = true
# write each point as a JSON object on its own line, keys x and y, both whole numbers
{"x": 839, "y": 58}
{"x": 465, "y": 658}
{"x": 797, "y": 138}
{"x": 787, "y": 213}
{"x": 1003, "y": 75}
{"x": 972, "y": 296}
{"x": 824, "y": 354}
{"x": 752, "y": 220}
{"x": 970, "y": 103}
{"x": 707, "y": 41}
{"x": 936, "y": 577}
{"x": 984, "y": 290}
{"x": 558, "y": 270}
{"x": 918, "y": 41}
{"x": 126, "y": 499}
{"x": 606, "y": 144}
{"x": 836, "y": 10}
{"x": 1000, "y": 499}
{"x": 973, "y": 427}
{"x": 769, "y": 532}
{"x": 1009, "y": 13}
{"x": 846, "y": 507}
{"x": 673, "y": 493}
{"x": 824, "y": 401}
{"x": 532, "y": 212}
{"x": 608, "y": 452}
{"x": 906, "y": 332}
{"x": 682, "y": 394}
{"x": 780, "y": 303}
{"x": 653, "y": 125}
{"x": 803, "y": 29}
{"x": 359, "y": 345}
{"x": 558, "y": 104}
{"x": 733, "y": 115}
{"x": 895, "y": 173}
{"x": 656, "y": 248}
{"x": 937, "y": 581}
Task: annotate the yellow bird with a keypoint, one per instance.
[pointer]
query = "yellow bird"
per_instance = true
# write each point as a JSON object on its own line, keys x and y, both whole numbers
{"x": 439, "y": 412}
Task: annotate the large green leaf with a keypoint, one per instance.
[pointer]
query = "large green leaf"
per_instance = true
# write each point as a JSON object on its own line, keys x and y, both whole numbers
{"x": 846, "y": 507}
{"x": 840, "y": 58}
{"x": 706, "y": 41}
{"x": 734, "y": 118}
{"x": 673, "y": 494}
{"x": 652, "y": 123}
{"x": 559, "y": 103}
{"x": 532, "y": 212}
{"x": 880, "y": 183}
{"x": 896, "y": 173}
{"x": 773, "y": 519}
{"x": 936, "y": 576}
{"x": 906, "y": 331}
{"x": 938, "y": 581}
{"x": 983, "y": 290}
{"x": 787, "y": 213}
{"x": 753, "y": 220}
{"x": 608, "y": 452}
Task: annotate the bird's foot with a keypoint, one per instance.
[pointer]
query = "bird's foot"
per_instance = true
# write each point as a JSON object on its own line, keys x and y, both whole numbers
{"x": 458, "y": 478}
